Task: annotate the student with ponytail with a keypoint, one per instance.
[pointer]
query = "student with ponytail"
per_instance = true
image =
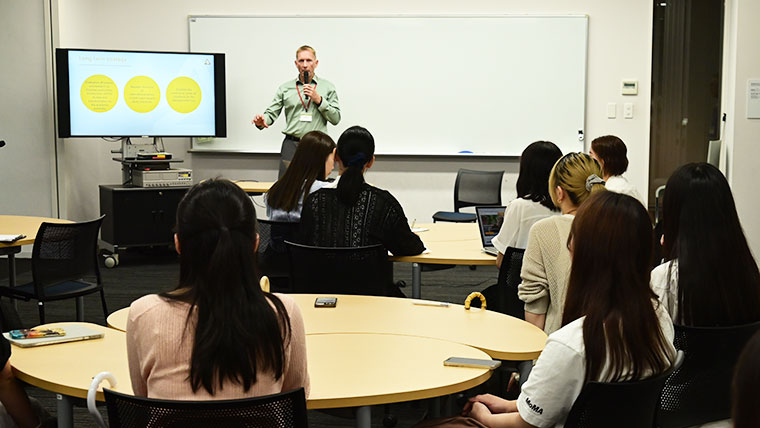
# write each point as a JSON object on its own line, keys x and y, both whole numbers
{"x": 217, "y": 335}
{"x": 355, "y": 213}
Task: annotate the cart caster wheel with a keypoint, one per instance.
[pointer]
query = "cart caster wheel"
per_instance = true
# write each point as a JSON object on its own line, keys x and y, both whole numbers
{"x": 111, "y": 262}
{"x": 390, "y": 421}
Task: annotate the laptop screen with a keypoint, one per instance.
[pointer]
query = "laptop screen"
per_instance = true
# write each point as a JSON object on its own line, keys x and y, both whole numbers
{"x": 490, "y": 220}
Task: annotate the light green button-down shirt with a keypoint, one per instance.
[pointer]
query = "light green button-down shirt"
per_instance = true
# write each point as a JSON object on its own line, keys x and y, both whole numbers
{"x": 287, "y": 97}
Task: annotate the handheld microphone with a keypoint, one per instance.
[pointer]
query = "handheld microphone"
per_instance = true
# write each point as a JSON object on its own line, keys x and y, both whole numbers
{"x": 306, "y": 81}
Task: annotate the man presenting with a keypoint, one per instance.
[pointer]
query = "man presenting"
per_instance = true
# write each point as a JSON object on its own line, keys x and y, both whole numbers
{"x": 309, "y": 102}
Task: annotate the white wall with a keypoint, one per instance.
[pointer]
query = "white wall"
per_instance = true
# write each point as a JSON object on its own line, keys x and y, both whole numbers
{"x": 619, "y": 47}
{"x": 743, "y": 135}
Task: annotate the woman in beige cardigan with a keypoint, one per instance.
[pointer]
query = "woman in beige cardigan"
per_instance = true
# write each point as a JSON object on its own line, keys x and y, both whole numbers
{"x": 546, "y": 264}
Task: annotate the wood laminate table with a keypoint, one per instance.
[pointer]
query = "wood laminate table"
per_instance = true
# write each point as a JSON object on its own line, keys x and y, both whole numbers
{"x": 20, "y": 225}
{"x": 500, "y": 336}
{"x": 255, "y": 187}
{"x": 448, "y": 244}
{"x": 346, "y": 370}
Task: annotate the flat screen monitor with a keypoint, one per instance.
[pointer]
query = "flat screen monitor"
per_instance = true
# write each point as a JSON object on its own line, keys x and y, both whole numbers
{"x": 109, "y": 93}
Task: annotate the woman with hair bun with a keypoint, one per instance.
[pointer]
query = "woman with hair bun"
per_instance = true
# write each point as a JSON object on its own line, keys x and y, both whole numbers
{"x": 546, "y": 263}
{"x": 356, "y": 214}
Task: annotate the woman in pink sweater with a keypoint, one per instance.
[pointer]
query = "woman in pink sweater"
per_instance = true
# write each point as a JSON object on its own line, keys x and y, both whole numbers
{"x": 216, "y": 335}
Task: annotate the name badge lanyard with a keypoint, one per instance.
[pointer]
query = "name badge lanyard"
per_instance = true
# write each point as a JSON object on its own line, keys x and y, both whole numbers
{"x": 305, "y": 106}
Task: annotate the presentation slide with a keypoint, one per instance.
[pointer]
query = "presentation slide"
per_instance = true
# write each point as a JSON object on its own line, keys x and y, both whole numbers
{"x": 141, "y": 94}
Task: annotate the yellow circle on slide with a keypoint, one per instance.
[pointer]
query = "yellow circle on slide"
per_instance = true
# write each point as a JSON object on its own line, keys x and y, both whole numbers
{"x": 142, "y": 94}
{"x": 183, "y": 95}
{"x": 99, "y": 93}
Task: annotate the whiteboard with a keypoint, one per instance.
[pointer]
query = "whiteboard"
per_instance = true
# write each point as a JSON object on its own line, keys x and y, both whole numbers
{"x": 422, "y": 85}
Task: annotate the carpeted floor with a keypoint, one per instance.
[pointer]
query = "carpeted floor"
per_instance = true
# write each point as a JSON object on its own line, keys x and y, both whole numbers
{"x": 154, "y": 270}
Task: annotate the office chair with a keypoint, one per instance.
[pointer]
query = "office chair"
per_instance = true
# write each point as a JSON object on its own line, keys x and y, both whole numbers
{"x": 283, "y": 410}
{"x": 64, "y": 254}
{"x": 472, "y": 188}
{"x": 323, "y": 270}
{"x": 503, "y": 294}
{"x": 631, "y": 404}
{"x": 274, "y": 260}
{"x": 700, "y": 390}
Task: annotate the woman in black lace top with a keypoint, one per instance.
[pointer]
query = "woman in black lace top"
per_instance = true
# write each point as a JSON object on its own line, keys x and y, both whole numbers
{"x": 356, "y": 214}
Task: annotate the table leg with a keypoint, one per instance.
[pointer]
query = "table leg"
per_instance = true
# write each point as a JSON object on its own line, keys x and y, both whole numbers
{"x": 363, "y": 417}
{"x": 12, "y": 270}
{"x": 65, "y": 411}
{"x": 416, "y": 281}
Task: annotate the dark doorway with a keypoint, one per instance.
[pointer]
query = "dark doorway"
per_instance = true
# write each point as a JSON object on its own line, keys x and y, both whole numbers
{"x": 686, "y": 76}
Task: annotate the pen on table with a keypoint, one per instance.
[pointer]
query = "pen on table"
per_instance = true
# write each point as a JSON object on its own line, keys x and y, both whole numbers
{"x": 413, "y": 223}
{"x": 437, "y": 304}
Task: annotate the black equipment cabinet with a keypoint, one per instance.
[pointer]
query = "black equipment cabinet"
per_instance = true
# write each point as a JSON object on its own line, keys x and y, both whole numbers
{"x": 138, "y": 216}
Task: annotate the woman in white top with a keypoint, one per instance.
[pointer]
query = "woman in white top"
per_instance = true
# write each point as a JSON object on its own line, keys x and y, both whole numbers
{"x": 710, "y": 277}
{"x": 312, "y": 162}
{"x": 613, "y": 327}
{"x": 546, "y": 263}
{"x": 611, "y": 153}
{"x": 533, "y": 202}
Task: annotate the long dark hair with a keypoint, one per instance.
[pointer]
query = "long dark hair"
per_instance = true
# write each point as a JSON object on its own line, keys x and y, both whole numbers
{"x": 718, "y": 279}
{"x": 307, "y": 165}
{"x": 356, "y": 146}
{"x": 746, "y": 386}
{"x": 237, "y": 334}
{"x": 612, "y": 247}
{"x": 536, "y": 163}
{"x": 612, "y": 151}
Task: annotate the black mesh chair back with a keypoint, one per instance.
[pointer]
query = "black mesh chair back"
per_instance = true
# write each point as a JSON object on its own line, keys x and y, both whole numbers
{"x": 502, "y": 296}
{"x": 474, "y": 188}
{"x": 322, "y": 270}
{"x": 65, "y": 252}
{"x": 274, "y": 260}
{"x": 284, "y": 410}
{"x": 630, "y": 404}
{"x": 700, "y": 390}
{"x": 64, "y": 266}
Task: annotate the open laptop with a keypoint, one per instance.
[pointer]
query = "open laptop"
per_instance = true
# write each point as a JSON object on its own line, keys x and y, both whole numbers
{"x": 490, "y": 220}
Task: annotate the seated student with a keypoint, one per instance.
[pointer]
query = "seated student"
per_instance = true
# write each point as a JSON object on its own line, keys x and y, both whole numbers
{"x": 610, "y": 152}
{"x": 16, "y": 409}
{"x": 355, "y": 214}
{"x": 533, "y": 201}
{"x": 745, "y": 389}
{"x": 710, "y": 277}
{"x": 613, "y": 327}
{"x": 546, "y": 263}
{"x": 312, "y": 162}
{"x": 216, "y": 335}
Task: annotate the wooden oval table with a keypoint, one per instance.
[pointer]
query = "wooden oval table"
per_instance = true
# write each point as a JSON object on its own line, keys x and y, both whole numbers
{"x": 500, "y": 336}
{"x": 255, "y": 187}
{"x": 20, "y": 225}
{"x": 346, "y": 370}
{"x": 448, "y": 244}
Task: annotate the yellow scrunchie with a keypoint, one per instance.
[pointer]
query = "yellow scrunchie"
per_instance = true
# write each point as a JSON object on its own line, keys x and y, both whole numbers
{"x": 473, "y": 295}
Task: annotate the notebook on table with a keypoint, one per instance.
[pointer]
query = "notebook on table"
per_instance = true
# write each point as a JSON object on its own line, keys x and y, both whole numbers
{"x": 490, "y": 220}
{"x": 73, "y": 332}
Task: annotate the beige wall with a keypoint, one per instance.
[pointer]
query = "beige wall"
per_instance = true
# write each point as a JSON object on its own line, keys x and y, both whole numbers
{"x": 742, "y": 137}
{"x": 619, "y": 48}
